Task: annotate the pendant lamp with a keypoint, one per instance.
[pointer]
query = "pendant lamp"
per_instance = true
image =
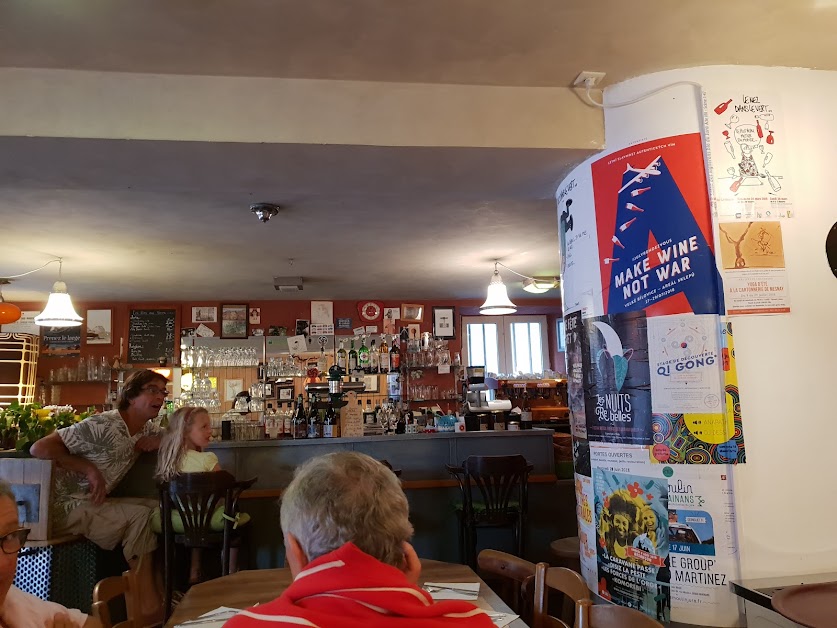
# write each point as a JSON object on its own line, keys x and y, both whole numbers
{"x": 497, "y": 302}
{"x": 9, "y": 312}
{"x": 59, "y": 311}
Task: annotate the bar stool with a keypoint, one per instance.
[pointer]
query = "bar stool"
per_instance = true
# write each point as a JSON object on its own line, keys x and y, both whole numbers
{"x": 567, "y": 552}
{"x": 495, "y": 493}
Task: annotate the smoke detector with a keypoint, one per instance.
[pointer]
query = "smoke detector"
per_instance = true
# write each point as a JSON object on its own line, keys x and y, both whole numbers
{"x": 264, "y": 211}
{"x": 288, "y": 284}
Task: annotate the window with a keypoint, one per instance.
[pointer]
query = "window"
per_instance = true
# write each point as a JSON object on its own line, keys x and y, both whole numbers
{"x": 506, "y": 344}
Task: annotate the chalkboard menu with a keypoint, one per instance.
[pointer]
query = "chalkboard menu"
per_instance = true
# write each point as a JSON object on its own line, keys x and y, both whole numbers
{"x": 151, "y": 335}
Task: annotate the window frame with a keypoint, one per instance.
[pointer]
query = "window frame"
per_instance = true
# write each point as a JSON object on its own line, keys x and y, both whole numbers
{"x": 504, "y": 334}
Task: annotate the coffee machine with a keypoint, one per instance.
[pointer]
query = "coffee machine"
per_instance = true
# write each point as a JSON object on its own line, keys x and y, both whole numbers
{"x": 480, "y": 405}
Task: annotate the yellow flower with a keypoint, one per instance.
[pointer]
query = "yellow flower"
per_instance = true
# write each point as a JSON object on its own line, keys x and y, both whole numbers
{"x": 42, "y": 414}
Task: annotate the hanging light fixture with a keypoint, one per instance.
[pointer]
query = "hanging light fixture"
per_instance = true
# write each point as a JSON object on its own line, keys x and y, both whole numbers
{"x": 59, "y": 311}
{"x": 497, "y": 302}
{"x": 539, "y": 285}
{"x": 9, "y": 312}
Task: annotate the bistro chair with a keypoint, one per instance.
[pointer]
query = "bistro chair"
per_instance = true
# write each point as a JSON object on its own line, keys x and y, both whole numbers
{"x": 110, "y": 589}
{"x": 557, "y": 579}
{"x": 506, "y": 574}
{"x": 194, "y": 498}
{"x": 495, "y": 492}
{"x": 386, "y": 463}
{"x": 589, "y": 615}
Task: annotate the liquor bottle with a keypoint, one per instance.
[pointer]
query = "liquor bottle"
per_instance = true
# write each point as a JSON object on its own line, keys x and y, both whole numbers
{"x": 315, "y": 424}
{"x": 288, "y": 422}
{"x": 526, "y": 415}
{"x": 322, "y": 362}
{"x": 300, "y": 420}
{"x": 331, "y": 428}
{"x": 383, "y": 360}
{"x": 352, "y": 357}
{"x": 395, "y": 355}
{"x": 363, "y": 356}
{"x": 342, "y": 357}
{"x": 374, "y": 358}
{"x": 368, "y": 414}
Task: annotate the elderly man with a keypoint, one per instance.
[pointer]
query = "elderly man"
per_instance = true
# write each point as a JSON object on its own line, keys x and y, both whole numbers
{"x": 344, "y": 518}
{"x": 93, "y": 456}
{"x": 17, "y": 608}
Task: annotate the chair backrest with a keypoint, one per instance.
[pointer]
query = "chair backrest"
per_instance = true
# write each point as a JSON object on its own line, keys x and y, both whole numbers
{"x": 387, "y": 464}
{"x": 110, "y": 589}
{"x": 510, "y": 572}
{"x": 196, "y": 496}
{"x": 560, "y": 579}
{"x": 499, "y": 480}
{"x": 589, "y": 615}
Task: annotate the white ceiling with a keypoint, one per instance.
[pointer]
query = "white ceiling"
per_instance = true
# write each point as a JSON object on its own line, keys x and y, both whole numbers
{"x": 164, "y": 220}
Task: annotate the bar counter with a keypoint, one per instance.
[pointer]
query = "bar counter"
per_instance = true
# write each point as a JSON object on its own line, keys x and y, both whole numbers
{"x": 430, "y": 490}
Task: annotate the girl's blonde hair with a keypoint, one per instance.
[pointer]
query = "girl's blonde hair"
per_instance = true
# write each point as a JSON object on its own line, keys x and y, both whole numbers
{"x": 173, "y": 446}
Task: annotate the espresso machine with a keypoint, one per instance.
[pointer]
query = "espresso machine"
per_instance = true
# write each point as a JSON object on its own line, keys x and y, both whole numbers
{"x": 482, "y": 409}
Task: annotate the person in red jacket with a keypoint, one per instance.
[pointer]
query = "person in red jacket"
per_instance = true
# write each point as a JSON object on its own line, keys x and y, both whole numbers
{"x": 346, "y": 531}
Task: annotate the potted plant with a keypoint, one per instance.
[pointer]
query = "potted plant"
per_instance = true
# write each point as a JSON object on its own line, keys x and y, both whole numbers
{"x": 22, "y": 425}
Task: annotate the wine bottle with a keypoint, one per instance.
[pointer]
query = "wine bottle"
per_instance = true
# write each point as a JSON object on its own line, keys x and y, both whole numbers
{"x": 722, "y": 107}
{"x": 300, "y": 420}
{"x": 342, "y": 358}
{"x": 374, "y": 358}
{"x": 383, "y": 360}
{"x": 352, "y": 357}
{"x": 315, "y": 425}
{"x": 363, "y": 356}
{"x": 330, "y": 426}
{"x": 395, "y": 355}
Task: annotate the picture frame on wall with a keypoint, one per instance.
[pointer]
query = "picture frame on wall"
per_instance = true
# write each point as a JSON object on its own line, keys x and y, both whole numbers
{"x": 205, "y": 314}
{"x": 412, "y": 313}
{"x": 99, "y": 325}
{"x": 234, "y": 320}
{"x": 444, "y": 323}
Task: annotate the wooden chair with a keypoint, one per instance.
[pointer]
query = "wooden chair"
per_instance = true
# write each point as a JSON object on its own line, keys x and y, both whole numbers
{"x": 589, "y": 615}
{"x": 509, "y": 573}
{"x": 110, "y": 589}
{"x": 495, "y": 493}
{"x": 386, "y": 463}
{"x": 195, "y": 497}
{"x": 560, "y": 579}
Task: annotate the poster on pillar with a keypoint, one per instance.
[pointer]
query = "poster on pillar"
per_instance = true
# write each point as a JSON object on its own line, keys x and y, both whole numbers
{"x": 586, "y": 530}
{"x": 573, "y": 332}
{"x": 616, "y": 379}
{"x": 577, "y": 244}
{"x": 747, "y": 155}
{"x": 654, "y": 229}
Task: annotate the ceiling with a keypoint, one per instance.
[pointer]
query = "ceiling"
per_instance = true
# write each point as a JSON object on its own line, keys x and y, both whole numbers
{"x": 160, "y": 218}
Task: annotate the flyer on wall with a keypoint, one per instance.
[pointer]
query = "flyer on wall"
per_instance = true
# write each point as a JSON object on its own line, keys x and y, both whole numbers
{"x": 697, "y": 521}
{"x": 686, "y": 370}
{"x": 617, "y": 381}
{"x": 573, "y": 331}
{"x": 654, "y": 229}
{"x": 631, "y": 515}
{"x": 586, "y": 530}
{"x": 746, "y": 150}
{"x": 705, "y": 438}
{"x": 577, "y": 242}
{"x": 753, "y": 259}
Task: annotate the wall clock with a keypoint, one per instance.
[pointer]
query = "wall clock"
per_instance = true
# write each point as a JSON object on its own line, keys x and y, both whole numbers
{"x": 370, "y": 311}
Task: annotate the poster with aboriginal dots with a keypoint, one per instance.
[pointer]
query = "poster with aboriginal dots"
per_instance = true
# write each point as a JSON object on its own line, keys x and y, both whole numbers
{"x": 705, "y": 438}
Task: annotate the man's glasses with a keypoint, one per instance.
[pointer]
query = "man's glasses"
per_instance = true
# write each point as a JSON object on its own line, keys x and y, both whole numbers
{"x": 153, "y": 390}
{"x": 14, "y": 540}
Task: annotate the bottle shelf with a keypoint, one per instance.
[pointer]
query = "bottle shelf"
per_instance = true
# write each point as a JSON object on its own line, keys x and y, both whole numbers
{"x": 75, "y": 381}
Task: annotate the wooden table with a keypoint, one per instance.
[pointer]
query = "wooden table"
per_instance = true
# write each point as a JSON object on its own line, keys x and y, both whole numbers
{"x": 246, "y": 588}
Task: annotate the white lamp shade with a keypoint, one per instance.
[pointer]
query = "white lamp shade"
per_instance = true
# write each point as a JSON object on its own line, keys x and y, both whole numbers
{"x": 497, "y": 302}
{"x": 59, "y": 311}
{"x": 539, "y": 285}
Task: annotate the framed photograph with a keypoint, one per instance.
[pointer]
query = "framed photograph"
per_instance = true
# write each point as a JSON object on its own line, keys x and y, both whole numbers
{"x": 231, "y": 388}
{"x": 99, "y": 327}
{"x": 370, "y": 383}
{"x": 234, "y": 321}
{"x": 412, "y": 313}
{"x": 255, "y": 315}
{"x": 302, "y": 327}
{"x": 205, "y": 314}
{"x": 285, "y": 393}
{"x": 443, "y": 322}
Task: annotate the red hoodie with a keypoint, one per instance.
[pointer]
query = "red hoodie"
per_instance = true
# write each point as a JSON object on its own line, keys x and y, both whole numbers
{"x": 347, "y": 588}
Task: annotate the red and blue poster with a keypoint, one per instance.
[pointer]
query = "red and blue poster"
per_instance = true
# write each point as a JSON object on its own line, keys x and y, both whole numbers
{"x": 654, "y": 229}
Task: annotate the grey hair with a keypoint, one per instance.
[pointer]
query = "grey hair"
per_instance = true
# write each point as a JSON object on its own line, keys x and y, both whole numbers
{"x": 347, "y": 496}
{"x": 6, "y": 491}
